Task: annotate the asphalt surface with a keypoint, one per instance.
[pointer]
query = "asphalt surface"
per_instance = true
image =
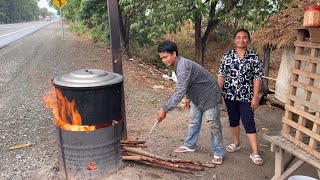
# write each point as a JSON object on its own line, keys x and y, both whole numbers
{"x": 10, "y": 33}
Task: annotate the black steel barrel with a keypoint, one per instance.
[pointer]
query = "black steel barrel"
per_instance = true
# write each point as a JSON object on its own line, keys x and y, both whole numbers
{"x": 97, "y": 94}
{"x": 91, "y": 154}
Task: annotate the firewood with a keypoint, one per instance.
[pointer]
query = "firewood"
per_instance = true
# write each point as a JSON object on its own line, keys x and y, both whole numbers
{"x": 165, "y": 167}
{"x": 133, "y": 156}
{"x": 131, "y": 142}
{"x": 135, "y": 145}
{"x": 145, "y": 153}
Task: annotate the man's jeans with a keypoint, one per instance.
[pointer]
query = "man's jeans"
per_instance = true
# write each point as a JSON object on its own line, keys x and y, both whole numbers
{"x": 216, "y": 130}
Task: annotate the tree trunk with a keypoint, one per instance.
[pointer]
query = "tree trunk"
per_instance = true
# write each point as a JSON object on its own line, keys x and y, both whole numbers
{"x": 212, "y": 23}
{"x": 124, "y": 31}
{"x": 266, "y": 63}
{"x": 197, "y": 38}
{"x": 204, "y": 40}
{"x": 126, "y": 36}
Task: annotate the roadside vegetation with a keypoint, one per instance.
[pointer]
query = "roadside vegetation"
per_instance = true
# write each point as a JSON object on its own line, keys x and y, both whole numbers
{"x": 203, "y": 29}
{"x": 15, "y": 11}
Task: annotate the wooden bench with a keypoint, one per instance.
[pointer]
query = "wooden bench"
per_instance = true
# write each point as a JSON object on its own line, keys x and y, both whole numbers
{"x": 280, "y": 146}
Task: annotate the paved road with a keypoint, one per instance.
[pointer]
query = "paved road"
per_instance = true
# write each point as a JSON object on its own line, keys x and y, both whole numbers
{"x": 26, "y": 69}
{"x": 10, "y": 33}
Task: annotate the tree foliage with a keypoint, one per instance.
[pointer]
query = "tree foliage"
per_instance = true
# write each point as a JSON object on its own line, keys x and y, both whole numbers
{"x": 146, "y": 21}
{"x": 155, "y": 18}
{"x": 88, "y": 15}
{"x": 14, "y": 11}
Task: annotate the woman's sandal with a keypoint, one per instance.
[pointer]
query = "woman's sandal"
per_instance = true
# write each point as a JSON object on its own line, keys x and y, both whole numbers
{"x": 256, "y": 159}
{"x": 232, "y": 148}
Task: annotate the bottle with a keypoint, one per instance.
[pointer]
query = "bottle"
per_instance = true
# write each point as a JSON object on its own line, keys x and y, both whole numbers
{"x": 311, "y": 17}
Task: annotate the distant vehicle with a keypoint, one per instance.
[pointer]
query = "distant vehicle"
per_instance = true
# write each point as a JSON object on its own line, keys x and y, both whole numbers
{"x": 48, "y": 18}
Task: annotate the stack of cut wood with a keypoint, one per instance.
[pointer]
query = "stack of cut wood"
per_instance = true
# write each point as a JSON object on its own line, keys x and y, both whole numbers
{"x": 132, "y": 151}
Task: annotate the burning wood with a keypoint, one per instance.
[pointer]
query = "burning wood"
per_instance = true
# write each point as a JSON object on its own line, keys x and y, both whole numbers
{"x": 66, "y": 115}
{"x": 144, "y": 157}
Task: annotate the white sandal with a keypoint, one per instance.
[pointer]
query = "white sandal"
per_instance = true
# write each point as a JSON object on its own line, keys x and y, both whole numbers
{"x": 217, "y": 160}
{"x": 255, "y": 159}
{"x": 232, "y": 148}
{"x": 183, "y": 149}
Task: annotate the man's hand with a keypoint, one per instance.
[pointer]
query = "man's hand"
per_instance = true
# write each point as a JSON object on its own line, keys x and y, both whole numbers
{"x": 161, "y": 115}
{"x": 254, "y": 103}
{"x": 187, "y": 102}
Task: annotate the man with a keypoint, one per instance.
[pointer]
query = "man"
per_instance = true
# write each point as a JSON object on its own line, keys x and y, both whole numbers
{"x": 199, "y": 86}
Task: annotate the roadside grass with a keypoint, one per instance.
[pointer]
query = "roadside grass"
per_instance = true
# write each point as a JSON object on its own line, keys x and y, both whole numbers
{"x": 80, "y": 30}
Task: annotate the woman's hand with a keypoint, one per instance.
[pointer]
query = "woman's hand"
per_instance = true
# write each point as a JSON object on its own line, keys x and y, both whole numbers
{"x": 254, "y": 103}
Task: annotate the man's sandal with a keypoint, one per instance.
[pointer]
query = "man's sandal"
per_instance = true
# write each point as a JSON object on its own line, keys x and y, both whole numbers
{"x": 217, "y": 160}
{"x": 232, "y": 148}
{"x": 183, "y": 149}
{"x": 256, "y": 159}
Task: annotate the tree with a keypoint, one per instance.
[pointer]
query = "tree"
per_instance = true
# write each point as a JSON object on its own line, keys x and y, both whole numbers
{"x": 4, "y": 11}
{"x": 145, "y": 21}
{"x": 18, "y": 11}
{"x": 164, "y": 16}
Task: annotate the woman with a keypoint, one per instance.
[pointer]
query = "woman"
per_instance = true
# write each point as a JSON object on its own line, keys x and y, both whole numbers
{"x": 240, "y": 79}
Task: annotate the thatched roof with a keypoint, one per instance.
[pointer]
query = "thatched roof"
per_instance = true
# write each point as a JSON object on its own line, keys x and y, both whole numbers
{"x": 280, "y": 30}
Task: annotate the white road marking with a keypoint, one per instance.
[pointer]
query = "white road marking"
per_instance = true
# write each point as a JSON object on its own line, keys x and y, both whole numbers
{"x": 18, "y": 31}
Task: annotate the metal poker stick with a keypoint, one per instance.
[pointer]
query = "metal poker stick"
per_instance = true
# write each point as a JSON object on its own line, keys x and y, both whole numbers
{"x": 154, "y": 125}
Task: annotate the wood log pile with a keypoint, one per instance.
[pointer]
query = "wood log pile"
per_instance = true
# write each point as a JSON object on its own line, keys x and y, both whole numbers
{"x": 133, "y": 151}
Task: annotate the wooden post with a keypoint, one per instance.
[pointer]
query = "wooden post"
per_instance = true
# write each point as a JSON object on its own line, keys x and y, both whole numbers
{"x": 266, "y": 64}
{"x": 114, "y": 24}
{"x": 279, "y": 165}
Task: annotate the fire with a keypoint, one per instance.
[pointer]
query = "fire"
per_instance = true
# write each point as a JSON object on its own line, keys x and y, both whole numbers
{"x": 67, "y": 111}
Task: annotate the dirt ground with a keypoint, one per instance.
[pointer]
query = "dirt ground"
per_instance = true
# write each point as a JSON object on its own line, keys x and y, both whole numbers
{"x": 141, "y": 111}
{"x": 26, "y": 120}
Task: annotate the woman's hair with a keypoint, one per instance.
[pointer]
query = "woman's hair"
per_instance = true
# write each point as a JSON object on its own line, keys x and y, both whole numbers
{"x": 242, "y": 30}
{"x": 168, "y": 46}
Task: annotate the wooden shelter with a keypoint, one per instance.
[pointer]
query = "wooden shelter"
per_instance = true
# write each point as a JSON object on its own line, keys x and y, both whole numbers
{"x": 280, "y": 33}
{"x": 300, "y": 74}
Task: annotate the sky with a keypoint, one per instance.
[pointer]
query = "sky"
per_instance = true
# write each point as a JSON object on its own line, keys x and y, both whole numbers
{"x": 44, "y": 3}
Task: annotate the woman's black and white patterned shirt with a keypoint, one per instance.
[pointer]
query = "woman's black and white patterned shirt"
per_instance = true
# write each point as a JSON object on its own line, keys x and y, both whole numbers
{"x": 240, "y": 74}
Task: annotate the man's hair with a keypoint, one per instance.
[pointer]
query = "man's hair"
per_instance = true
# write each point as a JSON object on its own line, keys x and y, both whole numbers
{"x": 168, "y": 46}
{"x": 242, "y": 30}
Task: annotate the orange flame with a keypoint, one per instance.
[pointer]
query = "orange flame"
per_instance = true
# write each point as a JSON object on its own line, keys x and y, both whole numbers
{"x": 67, "y": 111}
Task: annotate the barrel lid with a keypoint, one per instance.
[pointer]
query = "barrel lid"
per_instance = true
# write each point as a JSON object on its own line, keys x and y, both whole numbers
{"x": 87, "y": 78}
